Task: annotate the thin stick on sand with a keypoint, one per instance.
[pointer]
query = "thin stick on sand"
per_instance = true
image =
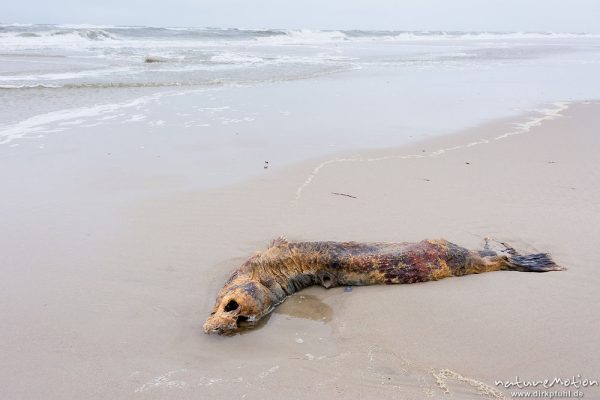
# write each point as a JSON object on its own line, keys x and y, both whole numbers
{"x": 344, "y": 194}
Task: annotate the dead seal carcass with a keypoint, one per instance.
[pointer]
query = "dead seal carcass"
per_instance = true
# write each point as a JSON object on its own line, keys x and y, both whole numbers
{"x": 268, "y": 277}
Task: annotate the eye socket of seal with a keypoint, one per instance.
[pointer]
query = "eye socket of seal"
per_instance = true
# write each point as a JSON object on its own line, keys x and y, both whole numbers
{"x": 231, "y": 306}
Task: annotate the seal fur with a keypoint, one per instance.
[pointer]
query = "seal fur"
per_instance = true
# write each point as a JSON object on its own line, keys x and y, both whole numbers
{"x": 268, "y": 277}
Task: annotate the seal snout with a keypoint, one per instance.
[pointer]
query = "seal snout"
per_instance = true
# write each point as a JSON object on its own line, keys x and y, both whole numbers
{"x": 221, "y": 324}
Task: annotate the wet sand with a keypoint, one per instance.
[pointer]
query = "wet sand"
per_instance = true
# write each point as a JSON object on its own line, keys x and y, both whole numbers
{"x": 109, "y": 275}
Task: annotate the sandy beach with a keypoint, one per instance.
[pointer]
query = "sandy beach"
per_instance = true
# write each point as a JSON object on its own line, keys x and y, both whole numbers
{"x": 110, "y": 271}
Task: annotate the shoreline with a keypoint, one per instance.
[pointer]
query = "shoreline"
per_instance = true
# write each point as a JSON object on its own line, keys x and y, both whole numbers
{"x": 117, "y": 287}
{"x": 516, "y": 125}
{"x": 223, "y": 135}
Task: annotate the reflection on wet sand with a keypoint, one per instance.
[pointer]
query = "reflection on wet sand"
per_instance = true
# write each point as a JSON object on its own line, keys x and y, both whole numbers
{"x": 305, "y": 306}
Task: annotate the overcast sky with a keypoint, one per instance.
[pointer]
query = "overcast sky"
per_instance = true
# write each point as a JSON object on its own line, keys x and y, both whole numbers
{"x": 500, "y": 15}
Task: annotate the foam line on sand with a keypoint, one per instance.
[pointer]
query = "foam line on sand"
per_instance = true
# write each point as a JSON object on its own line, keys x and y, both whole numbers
{"x": 553, "y": 111}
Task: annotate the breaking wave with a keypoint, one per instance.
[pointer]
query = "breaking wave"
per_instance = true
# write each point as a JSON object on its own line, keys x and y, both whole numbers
{"x": 27, "y": 36}
{"x": 266, "y": 36}
{"x": 309, "y": 37}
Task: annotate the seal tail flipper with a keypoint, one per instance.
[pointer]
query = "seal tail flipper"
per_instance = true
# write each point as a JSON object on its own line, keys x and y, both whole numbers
{"x": 540, "y": 262}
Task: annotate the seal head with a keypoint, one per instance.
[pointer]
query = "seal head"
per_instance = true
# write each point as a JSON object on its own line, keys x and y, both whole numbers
{"x": 239, "y": 305}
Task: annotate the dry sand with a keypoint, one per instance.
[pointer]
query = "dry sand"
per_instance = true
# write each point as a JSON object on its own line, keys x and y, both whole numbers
{"x": 104, "y": 293}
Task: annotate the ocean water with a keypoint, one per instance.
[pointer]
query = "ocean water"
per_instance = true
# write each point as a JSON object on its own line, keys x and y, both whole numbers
{"x": 71, "y": 56}
{"x": 283, "y": 95}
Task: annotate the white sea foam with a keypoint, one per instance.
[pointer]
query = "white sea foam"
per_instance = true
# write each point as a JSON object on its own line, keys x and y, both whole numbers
{"x": 316, "y": 37}
{"x": 54, "y": 38}
{"x": 92, "y": 26}
{"x": 268, "y": 372}
{"x": 135, "y": 118}
{"x": 65, "y": 76}
{"x": 40, "y": 123}
{"x": 235, "y": 58}
{"x": 546, "y": 114}
{"x": 485, "y": 36}
{"x": 29, "y": 86}
{"x": 442, "y": 377}
{"x": 304, "y": 36}
{"x": 164, "y": 381}
{"x": 75, "y": 122}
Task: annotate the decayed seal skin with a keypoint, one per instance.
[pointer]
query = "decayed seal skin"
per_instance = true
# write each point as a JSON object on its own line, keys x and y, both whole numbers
{"x": 268, "y": 277}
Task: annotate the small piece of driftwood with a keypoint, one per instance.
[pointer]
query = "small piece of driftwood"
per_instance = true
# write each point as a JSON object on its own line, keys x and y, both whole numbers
{"x": 344, "y": 194}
